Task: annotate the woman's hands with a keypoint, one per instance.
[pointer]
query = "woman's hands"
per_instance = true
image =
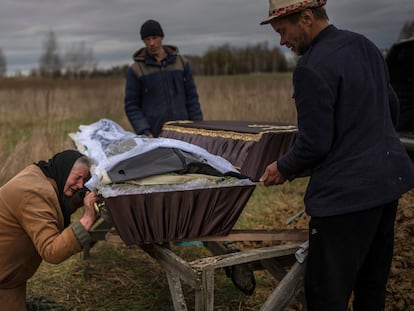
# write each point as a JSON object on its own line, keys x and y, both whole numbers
{"x": 89, "y": 217}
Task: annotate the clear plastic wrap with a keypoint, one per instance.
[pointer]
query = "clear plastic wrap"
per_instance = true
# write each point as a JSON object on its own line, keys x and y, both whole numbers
{"x": 108, "y": 144}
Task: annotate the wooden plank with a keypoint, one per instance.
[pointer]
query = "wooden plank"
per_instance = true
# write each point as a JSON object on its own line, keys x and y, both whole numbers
{"x": 274, "y": 266}
{"x": 204, "y": 293}
{"x": 287, "y": 289}
{"x": 256, "y": 235}
{"x": 244, "y": 256}
{"x": 171, "y": 262}
{"x": 239, "y": 235}
{"x": 113, "y": 238}
{"x": 176, "y": 292}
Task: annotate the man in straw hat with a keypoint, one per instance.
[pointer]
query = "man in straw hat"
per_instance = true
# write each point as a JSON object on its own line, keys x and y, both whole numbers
{"x": 347, "y": 113}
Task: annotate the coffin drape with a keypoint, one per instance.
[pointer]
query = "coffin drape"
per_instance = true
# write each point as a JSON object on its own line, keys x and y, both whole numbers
{"x": 249, "y": 146}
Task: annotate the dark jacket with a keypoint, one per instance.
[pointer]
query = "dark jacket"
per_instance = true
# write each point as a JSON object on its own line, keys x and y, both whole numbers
{"x": 156, "y": 93}
{"x": 347, "y": 111}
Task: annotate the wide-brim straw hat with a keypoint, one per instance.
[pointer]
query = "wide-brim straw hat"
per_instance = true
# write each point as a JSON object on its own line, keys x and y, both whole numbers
{"x": 279, "y": 8}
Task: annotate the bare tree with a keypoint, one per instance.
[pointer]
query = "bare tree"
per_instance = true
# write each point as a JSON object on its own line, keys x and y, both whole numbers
{"x": 230, "y": 60}
{"x": 407, "y": 30}
{"x": 50, "y": 62}
{"x": 79, "y": 60}
{"x": 3, "y": 64}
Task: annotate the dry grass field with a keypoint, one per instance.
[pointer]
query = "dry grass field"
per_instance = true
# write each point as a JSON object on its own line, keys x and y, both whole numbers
{"x": 37, "y": 115}
{"x": 35, "y": 119}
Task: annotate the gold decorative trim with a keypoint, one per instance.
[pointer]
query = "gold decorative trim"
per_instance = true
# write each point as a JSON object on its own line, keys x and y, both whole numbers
{"x": 266, "y": 128}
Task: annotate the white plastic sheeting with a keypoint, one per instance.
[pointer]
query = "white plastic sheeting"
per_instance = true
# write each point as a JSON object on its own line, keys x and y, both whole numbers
{"x": 107, "y": 143}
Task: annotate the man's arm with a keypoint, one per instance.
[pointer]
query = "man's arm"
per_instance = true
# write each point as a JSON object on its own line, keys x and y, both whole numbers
{"x": 132, "y": 104}
{"x": 394, "y": 105}
{"x": 39, "y": 216}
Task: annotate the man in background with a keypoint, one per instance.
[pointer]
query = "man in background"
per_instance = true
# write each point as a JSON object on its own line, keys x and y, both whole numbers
{"x": 347, "y": 112}
{"x": 160, "y": 86}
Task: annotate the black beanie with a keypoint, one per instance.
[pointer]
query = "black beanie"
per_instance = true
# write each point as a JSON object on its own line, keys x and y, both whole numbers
{"x": 151, "y": 28}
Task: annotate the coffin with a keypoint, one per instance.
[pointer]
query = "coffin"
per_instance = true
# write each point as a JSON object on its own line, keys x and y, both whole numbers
{"x": 148, "y": 211}
{"x": 174, "y": 215}
{"x": 249, "y": 146}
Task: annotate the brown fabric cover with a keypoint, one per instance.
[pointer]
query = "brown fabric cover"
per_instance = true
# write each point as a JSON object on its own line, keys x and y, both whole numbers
{"x": 168, "y": 216}
{"x": 249, "y": 146}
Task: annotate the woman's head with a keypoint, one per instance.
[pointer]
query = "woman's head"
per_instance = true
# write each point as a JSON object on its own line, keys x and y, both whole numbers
{"x": 77, "y": 177}
{"x": 70, "y": 170}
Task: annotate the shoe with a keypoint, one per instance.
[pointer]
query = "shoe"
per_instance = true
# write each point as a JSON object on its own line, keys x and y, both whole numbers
{"x": 42, "y": 304}
{"x": 241, "y": 276}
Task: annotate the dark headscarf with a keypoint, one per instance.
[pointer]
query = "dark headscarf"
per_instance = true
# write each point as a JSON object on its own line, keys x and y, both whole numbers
{"x": 59, "y": 168}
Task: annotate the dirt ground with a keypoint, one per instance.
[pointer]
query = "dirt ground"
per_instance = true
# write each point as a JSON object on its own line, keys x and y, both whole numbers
{"x": 400, "y": 290}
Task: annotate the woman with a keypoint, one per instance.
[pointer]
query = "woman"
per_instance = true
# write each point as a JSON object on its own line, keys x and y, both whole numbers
{"x": 35, "y": 209}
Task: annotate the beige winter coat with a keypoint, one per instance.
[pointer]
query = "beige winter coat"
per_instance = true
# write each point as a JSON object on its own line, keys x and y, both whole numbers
{"x": 31, "y": 229}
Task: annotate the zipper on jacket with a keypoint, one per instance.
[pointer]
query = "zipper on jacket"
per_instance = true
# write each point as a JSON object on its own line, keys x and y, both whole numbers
{"x": 166, "y": 90}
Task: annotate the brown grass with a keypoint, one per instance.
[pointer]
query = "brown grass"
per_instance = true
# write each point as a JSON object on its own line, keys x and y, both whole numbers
{"x": 37, "y": 115}
{"x": 35, "y": 119}
{"x": 249, "y": 98}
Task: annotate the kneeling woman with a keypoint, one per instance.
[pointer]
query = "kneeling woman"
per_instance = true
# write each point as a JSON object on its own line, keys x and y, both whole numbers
{"x": 35, "y": 210}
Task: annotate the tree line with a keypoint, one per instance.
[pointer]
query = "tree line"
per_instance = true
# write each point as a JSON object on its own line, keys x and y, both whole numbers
{"x": 228, "y": 60}
{"x": 80, "y": 60}
{"x": 76, "y": 61}
{"x": 407, "y": 31}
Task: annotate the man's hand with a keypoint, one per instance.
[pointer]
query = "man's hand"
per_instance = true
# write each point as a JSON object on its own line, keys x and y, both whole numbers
{"x": 89, "y": 217}
{"x": 272, "y": 175}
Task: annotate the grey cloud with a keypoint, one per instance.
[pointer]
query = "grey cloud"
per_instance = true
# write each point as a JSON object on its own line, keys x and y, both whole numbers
{"x": 111, "y": 28}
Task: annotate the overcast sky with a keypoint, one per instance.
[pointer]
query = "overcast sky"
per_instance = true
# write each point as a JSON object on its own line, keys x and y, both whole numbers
{"x": 111, "y": 27}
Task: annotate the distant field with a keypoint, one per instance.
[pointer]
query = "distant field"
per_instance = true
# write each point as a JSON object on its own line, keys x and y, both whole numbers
{"x": 36, "y": 114}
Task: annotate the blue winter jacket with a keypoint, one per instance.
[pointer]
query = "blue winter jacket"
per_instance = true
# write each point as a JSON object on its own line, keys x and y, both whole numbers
{"x": 347, "y": 111}
{"x": 159, "y": 92}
